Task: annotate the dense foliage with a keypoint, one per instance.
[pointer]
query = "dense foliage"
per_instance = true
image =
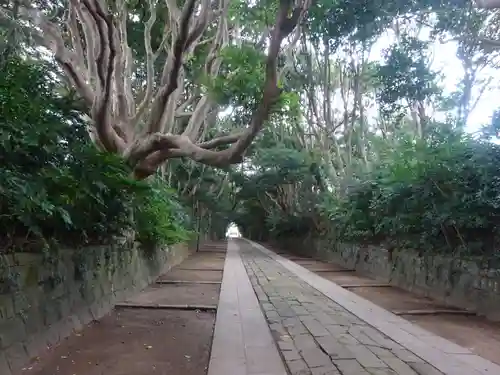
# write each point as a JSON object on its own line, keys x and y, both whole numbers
{"x": 55, "y": 186}
{"x": 356, "y": 148}
{"x": 369, "y": 162}
{"x": 442, "y": 195}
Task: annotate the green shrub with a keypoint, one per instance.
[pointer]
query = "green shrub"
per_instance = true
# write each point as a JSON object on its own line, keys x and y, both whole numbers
{"x": 55, "y": 186}
{"x": 442, "y": 195}
{"x": 160, "y": 219}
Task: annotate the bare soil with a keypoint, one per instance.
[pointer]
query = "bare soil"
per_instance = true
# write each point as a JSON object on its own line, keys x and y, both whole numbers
{"x": 472, "y": 332}
{"x": 395, "y": 299}
{"x": 178, "y": 294}
{"x": 135, "y": 342}
{"x": 192, "y": 275}
{"x": 203, "y": 262}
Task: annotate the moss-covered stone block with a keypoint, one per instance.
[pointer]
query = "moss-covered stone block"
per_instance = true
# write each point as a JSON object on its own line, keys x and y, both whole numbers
{"x": 6, "y": 307}
{"x": 11, "y": 331}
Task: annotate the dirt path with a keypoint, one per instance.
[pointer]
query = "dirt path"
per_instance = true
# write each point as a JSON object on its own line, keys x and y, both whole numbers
{"x": 470, "y": 331}
{"x": 159, "y": 331}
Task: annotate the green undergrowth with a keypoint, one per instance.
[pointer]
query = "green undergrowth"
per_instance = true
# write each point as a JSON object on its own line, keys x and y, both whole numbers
{"x": 438, "y": 196}
{"x": 56, "y": 188}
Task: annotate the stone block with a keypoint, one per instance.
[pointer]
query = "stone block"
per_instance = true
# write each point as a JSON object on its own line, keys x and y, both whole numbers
{"x": 303, "y": 342}
{"x": 20, "y": 301}
{"x": 350, "y": 367}
{"x": 298, "y": 367}
{"x": 366, "y": 357}
{"x": 422, "y": 368}
{"x": 399, "y": 366}
{"x": 34, "y": 345}
{"x": 4, "y": 365}
{"x": 11, "y": 331}
{"x": 315, "y": 327}
{"x": 51, "y": 312}
{"x": 325, "y": 370}
{"x": 6, "y": 307}
{"x": 315, "y": 357}
{"x": 33, "y": 320}
{"x": 334, "y": 349}
{"x": 16, "y": 356}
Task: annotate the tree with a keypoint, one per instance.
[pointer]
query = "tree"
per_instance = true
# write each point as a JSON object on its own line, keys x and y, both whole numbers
{"x": 139, "y": 119}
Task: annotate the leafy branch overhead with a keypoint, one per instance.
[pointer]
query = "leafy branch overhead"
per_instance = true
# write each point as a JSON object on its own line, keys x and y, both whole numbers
{"x": 143, "y": 107}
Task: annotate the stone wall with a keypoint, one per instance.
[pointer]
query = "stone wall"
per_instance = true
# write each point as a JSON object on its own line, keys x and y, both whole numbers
{"x": 43, "y": 298}
{"x": 469, "y": 284}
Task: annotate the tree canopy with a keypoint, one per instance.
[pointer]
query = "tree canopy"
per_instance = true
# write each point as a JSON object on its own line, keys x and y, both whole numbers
{"x": 288, "y": 118}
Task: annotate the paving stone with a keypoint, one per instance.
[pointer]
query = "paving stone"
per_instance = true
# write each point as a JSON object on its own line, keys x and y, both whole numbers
{"x": 315, "y": 357}
{"x": 298, "y": 367}
{"x": 278, "y": 328}
{"x": 297, "y": 329}
{"x": 4, "y": 365}
{"x": 299, "y": 310}
{"x": 286, "y": 343}
{"x": 399, "y": 366}
{"x": 350, "y": 367}
{"x": 380, "y": 338}
{"x": 304, "y": 341}
{"x": 16, "y": 356}
{"x": 272, "y": 316}
{"x": 366, "y": 357}
{"x": 381, "y": 371}
{"x": 325, "y": 370}
{"x": 422, "y": 368}
{"x": 325, "y": 334}
{"x": 337, "y": 329}
{"x": 381, "y": 352}
{"x": 335, "y": 349}
{"x": 291, "y": 355}
{"x": 358, "y": 334}
{"x": 266, "y": 306}
{"x": 406, "y": 356}
{"x": 346, "y": 339}
{"x": 324, "y": 318}
{"x": 315, "y": 327}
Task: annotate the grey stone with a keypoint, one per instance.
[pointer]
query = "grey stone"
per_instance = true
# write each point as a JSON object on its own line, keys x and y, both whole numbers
{"x": 335, "y": 349}
{"x": 303, "y": 342}
{"x": 11, "y": 331}
{"x": 325, "y": 370}
{"x": 350, "y": 367}
{"x": 422, "y": 368}
{"x": 399, "y": 366}
{"x": 366, "y": 357}
{"x": 381, "y": 371}
{"x": 315, "y": 357}
{"x": 298, "y": 367}
{"x": 33, "y": 320}
{"x": 291, "y": 355}
{"x": 16, "y": 356}
{"x": 315, "y": 327}
{"x": 4, "y": 365}
{"x": 6, "y": 307}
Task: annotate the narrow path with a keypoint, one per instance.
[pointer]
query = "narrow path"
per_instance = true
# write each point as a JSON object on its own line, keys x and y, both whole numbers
{"x": 462, "y": 327}
{"x": 320, "y": 328}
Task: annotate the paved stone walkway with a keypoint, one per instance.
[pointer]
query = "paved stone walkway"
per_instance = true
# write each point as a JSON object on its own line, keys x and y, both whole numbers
{"x": 318, "y": 327}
